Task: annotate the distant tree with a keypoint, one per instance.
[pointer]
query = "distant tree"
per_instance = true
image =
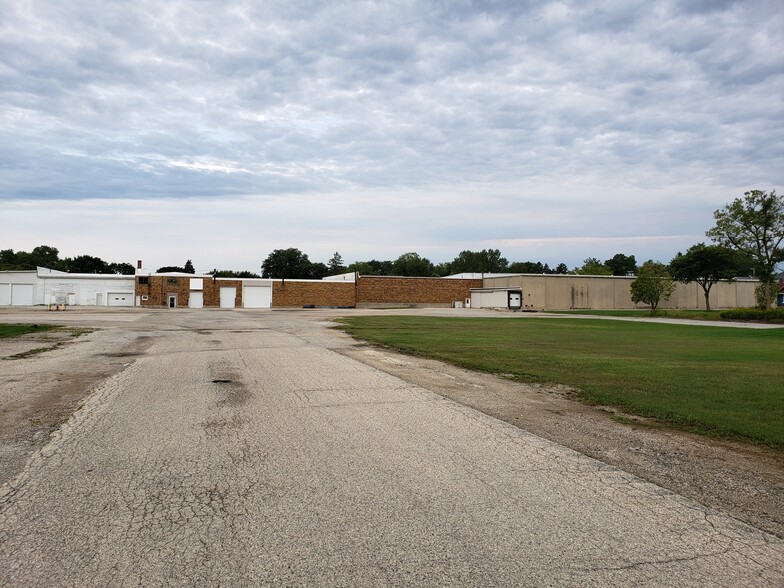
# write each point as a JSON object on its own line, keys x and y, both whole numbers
{"x": 170, "y": 268}
{"x": 754, "y": 225}
{"x": 381, "y": 268}
{"x": 125, "y": 269}
{"x": 86, "y": 264}
{"x": 288, "y": 263}
{"x": 412, "y": 264}
{"x": 335, "y": 265}
{"x": 652, "y": 285}
{"x": 45, "y": 256}
{"x": 318, "y": 271}
{"x": 363, "y": 268}
{"x": 621, "y": 265}
{"x": 232, "y": 274}
{"x": 706, "y": 265}
{"x": 593, "y": 267}
{"x": 525, "y": 267}
{"x": 484, "y": 261}
{"x": 442, "y": 269}
{"x": 9, "y": 261}
{"x": 188, "y": 268}
{"x": 561, "y": 268}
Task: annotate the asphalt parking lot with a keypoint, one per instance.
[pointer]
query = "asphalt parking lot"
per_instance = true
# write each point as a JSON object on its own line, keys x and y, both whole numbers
{"x": 246, "y": 448}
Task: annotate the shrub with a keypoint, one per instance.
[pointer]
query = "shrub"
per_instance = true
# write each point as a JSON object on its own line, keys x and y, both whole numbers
{"x": 775, "y": 315}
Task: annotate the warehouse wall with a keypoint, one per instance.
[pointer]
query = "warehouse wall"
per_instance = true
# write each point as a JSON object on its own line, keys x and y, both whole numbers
{"x": 299, "y": 293}
{"x": 386, "y": 290}
{"x": 566, "y": 292}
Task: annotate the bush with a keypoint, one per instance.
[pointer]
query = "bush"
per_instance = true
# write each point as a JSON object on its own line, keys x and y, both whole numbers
{"x": 775, "y": 315}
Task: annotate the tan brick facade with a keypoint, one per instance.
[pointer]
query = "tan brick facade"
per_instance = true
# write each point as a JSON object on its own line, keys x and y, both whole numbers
{"x": 158, "y": 288}
{"x": 292, "y": 293}
{"x": 380, "y": 290}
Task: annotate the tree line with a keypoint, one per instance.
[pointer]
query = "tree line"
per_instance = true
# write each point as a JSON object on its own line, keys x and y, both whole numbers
{"x": 49, "y": 257}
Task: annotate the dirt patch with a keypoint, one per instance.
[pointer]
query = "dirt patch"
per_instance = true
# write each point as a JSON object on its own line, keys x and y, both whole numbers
{"x": 39, "y": 392}
{"x": 743, "y": 481}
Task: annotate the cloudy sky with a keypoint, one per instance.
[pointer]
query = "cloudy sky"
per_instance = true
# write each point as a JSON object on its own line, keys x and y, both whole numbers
{"x": 221, "y": 130}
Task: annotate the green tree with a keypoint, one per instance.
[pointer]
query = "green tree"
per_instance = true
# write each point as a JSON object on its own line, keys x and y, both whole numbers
{"x": 525, "y": 267}
{"x": 593, "y": 267}
{"x": 232, "y": 274}
{"x": 188, "y": 268}
{"x": 561, "y": 268}
{"x": 484, "y": 261}
{"x": 170, "y": 268}
{"x": 124, "y": 269}
{"x": 318, "y": 271}
{"x": 45, "y": 256}
{"x": 621, "y": 265}
{"x": 706, "y": 265}
{"x": 363, "y": 268}
{"x": 335, "y": 265}
{"x": 288, "y": 263}
{"x": 412, "y": 264}
{"x": 86, "y": 264}
{"x": 652, "y": 285}
{"x": 754, "y": 225}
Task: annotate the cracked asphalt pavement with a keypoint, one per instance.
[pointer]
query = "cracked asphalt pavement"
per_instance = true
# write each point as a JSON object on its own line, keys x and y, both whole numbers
{"x": 241, "y": 448}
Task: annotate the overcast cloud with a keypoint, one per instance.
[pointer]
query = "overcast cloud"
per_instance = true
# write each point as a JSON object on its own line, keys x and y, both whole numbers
{"x": 218, "y": 130}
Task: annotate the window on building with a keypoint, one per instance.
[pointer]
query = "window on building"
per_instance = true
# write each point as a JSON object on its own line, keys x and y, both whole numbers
{"x": 144, "y": 280}
{"x": 171, "y": 280}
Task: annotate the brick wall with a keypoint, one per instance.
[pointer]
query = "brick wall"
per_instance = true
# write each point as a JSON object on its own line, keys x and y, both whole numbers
{"x": 158, "y": 289}
{"x": 379, "y": 290}
{"x": 291, "y": 293}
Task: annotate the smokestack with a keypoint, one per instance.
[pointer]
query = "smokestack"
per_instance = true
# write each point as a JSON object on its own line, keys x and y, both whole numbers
{"x": 138, "y": 264}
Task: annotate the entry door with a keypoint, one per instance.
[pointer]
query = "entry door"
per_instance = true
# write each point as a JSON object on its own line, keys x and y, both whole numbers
{"x": 196, "y": 299}
{"x": 228, "y": 296}
{"x": 172, "y": 300}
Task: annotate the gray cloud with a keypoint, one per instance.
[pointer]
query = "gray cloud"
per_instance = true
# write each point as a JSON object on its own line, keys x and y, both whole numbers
{"x": 296, "y": 100}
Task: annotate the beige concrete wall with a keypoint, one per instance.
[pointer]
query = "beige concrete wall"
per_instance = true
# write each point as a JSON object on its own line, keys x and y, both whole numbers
{"x": 567, "y": 292}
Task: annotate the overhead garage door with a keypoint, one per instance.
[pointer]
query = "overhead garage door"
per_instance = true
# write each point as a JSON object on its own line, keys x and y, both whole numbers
{"x": 257, "y": 297}
{"x": 196, "y": 299}
{"x": 5, "y": 294}
{"x": 228, "y": 295}
{"x": 21, "y": 294}
{"x": 120, "y": 298}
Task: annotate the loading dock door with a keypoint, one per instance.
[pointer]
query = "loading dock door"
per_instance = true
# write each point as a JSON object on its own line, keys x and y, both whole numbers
{"x": 120, "y": 299}
{"x": 196, "y": 299}
{"x": 257, "y": 297}
{"x": 21, "y": 294}
{"x": 228, "y": 296}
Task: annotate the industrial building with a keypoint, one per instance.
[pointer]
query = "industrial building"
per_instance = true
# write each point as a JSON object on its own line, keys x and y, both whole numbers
{"x": 530, "y": 292}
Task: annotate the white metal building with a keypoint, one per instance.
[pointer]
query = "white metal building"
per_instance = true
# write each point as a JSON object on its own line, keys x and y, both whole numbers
{"x": 46, "y": 286}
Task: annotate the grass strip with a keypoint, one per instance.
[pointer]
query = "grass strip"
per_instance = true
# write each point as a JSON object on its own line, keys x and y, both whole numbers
{"x": 12, "y": 330}
{"x": 727, "y": 383}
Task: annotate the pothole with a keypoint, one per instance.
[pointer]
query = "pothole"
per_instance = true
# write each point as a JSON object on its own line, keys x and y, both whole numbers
{"x": 222, "y": 381}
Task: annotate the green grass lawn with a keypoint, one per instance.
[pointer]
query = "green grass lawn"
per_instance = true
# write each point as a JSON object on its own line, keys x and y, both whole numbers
{"x": 724, "y": 382}
{"x": 17, "y": 330}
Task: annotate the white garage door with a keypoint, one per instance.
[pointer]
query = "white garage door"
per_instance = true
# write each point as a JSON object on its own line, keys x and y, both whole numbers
{"x": 21, "y": 294}
{"x": 120, "y": 298}
{"x": 228, "y": 294}
{"x": 196, "y": 299}
{"x": 5, "y": 294}
{"x": 257, "y": 297}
